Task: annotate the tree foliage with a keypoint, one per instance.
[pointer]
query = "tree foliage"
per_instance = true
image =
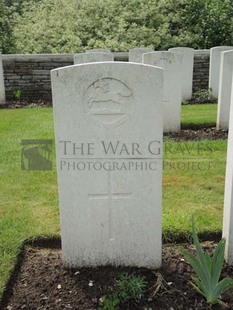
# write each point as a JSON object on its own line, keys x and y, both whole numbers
{"x": 6, "y": 37}
{"x": 60, "y": 26}
{"x": 211, "y": 22}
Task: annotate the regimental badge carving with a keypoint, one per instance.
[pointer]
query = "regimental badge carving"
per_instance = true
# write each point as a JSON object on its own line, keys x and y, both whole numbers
{"x": 164, "y": 61}
{"x": 108, "y": 101}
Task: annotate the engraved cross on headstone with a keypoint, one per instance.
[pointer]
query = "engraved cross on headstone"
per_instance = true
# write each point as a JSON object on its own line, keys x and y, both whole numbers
{"x": 110, "y": 196}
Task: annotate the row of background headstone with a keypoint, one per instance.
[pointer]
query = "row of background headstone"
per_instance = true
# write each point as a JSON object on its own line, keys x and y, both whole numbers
{"x": 219, "y": 77}
{"x": 30, "y": 74}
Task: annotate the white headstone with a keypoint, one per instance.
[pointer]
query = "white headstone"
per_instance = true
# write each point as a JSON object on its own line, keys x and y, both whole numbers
{"x": 214, "y": 73}
{"x": 108, "y": 125}
{"x": 228, "y": 197}
{"x": 225, "y": 84}
{"x": 98, "y": 50}
{"x": 135, "y": 54}
{"x": 2, "y": 84}
{"x": 171, "y": 63}
{"x": 92, "y": 57}
{"x": 187, "y": 70}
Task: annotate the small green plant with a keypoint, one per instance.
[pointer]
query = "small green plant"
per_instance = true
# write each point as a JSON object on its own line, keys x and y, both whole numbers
{"x": 208, "y": 270}
{"x": 17, "y": 94}
{"x": 109, "y": 303}
{"x": 129, "y": 287}
{"x": 202, "y": 95}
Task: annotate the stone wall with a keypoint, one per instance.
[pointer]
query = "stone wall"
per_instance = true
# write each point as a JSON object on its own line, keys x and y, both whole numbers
{"x": 201, "y": 70}
{"x": 30, "y": 74}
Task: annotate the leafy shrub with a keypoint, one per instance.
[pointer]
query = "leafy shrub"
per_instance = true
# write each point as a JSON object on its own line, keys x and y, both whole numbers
{"x": 59, "y": 26}
{"x": 6, "y": 37}
{"x": 203, "y": 96}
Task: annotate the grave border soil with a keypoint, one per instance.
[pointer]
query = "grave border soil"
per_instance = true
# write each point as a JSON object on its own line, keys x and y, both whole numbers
{"x": 54, "y": 242}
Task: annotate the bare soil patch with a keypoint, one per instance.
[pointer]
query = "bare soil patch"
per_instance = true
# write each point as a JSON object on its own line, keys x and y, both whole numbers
{"x": 198, "y": 133}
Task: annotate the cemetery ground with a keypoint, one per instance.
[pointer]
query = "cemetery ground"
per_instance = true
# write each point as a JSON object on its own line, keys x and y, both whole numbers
{"x": 193, "y": 183}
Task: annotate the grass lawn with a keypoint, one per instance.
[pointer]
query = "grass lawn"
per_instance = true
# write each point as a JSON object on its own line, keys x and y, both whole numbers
{"x": 198, "y": 114}
{"x": 193, "y": 182}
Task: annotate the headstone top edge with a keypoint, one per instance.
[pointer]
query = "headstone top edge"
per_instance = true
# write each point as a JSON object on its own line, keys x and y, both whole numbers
{"x": 93, "y": 53}
{"x": 220, "y": 47}
{"x": 112, "y": 63}
{"x": 140, "y": 48}
{"x": 181, "y": 47}
{"x": 227, "y": 52}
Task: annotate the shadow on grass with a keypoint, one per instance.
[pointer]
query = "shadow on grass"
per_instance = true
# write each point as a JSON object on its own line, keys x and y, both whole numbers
{"x": 193, "y": 126}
